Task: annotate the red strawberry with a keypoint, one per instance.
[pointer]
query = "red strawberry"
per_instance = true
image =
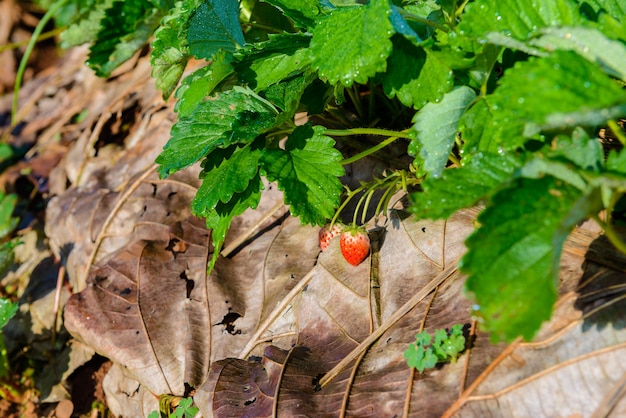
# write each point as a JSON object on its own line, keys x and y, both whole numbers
{"x": 326, "y": 234}
{"x": 355, "y": 245}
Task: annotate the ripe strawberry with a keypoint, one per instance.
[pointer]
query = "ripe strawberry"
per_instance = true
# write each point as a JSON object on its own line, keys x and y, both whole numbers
{"x": 355, "y": 245}
{"x": 326, "y": 234}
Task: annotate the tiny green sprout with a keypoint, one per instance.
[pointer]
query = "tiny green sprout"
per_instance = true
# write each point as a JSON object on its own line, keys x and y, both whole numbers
{"x": 184, "y": 409}
{"x": 447, "y": 346}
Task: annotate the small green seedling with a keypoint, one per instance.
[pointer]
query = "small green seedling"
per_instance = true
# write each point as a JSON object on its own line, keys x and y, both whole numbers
{"x": 446, "y": 347}
{"x": 184, "y": 409}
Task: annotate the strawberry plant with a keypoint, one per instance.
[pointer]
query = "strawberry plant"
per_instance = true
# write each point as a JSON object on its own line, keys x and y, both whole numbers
{"x": 497, "y": 103}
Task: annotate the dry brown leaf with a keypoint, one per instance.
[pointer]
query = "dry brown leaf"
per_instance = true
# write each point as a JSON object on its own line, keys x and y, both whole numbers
{"x": 573, "y": 367}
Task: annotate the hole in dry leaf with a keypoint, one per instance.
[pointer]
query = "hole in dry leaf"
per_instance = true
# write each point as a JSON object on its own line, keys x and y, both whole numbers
{"x": 189, "y": 284}
{"x": 250, "y": 401}
{"x": 316, "y": 382}
{"x": 229, "y": 323}
{"x": 189, "y": 390}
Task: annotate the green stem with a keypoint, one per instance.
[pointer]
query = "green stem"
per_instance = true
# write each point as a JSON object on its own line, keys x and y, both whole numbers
{"x": 354, "y": 96}
{"x": 411, "y": 16}
{"x": 454, "y": 160}
{"x": 369, "y": 151}
{"x": 358, "y": 206}
{"x": 43, "y": 37}
{"x": 460, "y": 9}
{"x": 370, "y": 194}
{"x": 611, "y": 234}
{"x": 383, "y": 203}
{"x": 266, "y": 28}
{"x": 29, "y": 50}
{"x": 351, "y": 194}
{"x": 619, "y": 134}
{"x": 367, "y": 131}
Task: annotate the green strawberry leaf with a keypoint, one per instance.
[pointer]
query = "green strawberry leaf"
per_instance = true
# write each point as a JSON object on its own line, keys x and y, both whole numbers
{"x": 616, "y": 161}
{"x": 236, "y": 116}
{"x": 402, "y": 27}
{"x": 220, "y": 218}
{"x": 170, "y": 52}
{"x": 214, "y": 26}
{"x": 436, "y": 128}
{"x": 513, "y": 258}
{"x": 302, "y": 12}
{"x": 352, "y": 43}
{"x": 86, "y": 26}
{"x": 544, "y": 94}
{"x": 570, "y": 158}
{"x": 267, "y": 63}
{"x": 126, "y": 27}
{"x": 8, "y": 310}
{"x": 286, "y": 95}
{"x": 225, "y": 172}
{"x": 589, "y": 43}
{"x": 463, "y": 187}
{"x": 579, "y": 149}
{"x": 476, "y": 127}
{"x": 517, "y": 19}
{"x": 416, "y": 76}
{"x": 197, "y": 86}
{"x": 307, "y": 170}
{"x": 616, "y": 8}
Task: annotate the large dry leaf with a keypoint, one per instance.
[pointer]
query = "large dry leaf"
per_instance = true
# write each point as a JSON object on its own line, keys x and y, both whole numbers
{"x": 573, "y": 367}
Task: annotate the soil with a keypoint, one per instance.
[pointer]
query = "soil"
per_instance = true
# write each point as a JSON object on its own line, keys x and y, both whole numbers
{"x": 87, "y": 396}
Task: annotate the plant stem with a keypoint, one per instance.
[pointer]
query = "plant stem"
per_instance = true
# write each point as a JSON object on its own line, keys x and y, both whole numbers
{"x": 619, "y": 134}
{"x": 349, "y": 196}
{"x": 43, "y": 37}
{"x": 356, "y": 100}
{"x": 454, "y": 160}
{"x": 367, "y": 131}
{"x": 263, "y": 27}
{"x": 29, "y": 50}
{"x": 411, "y": 16}
{"x": 460, "y": 9}
{"x": 369, "y": 151}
